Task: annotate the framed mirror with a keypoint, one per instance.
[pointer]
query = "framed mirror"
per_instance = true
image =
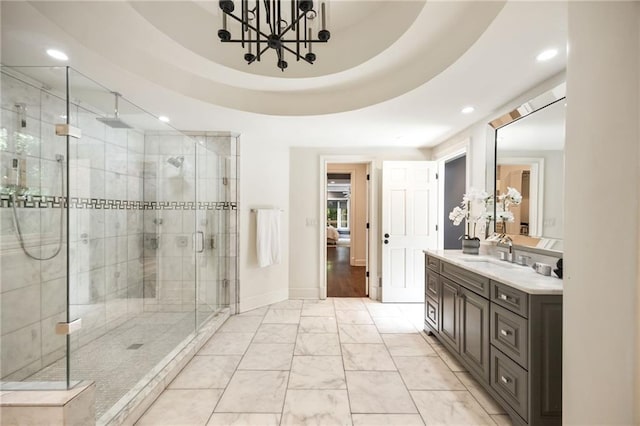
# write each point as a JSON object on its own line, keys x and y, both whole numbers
{"x": 528, "y": 181}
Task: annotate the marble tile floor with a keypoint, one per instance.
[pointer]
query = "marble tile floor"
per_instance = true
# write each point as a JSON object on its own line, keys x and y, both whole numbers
{"x": 340, "y": 361}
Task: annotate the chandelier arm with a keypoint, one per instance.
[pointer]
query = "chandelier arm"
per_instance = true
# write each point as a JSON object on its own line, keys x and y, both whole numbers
{"x": 248, "y": 25}
{"x": 254, "y": 59}
{"x": 292, "y": 24}
{"x": 299, "y": 56}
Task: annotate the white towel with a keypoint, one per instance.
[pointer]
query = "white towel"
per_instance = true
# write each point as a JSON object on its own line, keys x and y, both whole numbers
{"x": 268, "y": 237}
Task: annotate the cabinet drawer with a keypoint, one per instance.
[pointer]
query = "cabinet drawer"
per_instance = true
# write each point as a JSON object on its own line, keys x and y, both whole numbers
{"x": 510, "y": 298}
{"x": 510, "y": 381}
{"x": 432, "y": 289}
{"x": 433, "y": 263}
{"x": 468, "y": 279}
{"x": 510, "y": 334}
{"x": 431, "y": 313}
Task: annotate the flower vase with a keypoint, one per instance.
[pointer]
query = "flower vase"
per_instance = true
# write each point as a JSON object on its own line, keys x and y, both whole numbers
{"x": 470, "y": 245}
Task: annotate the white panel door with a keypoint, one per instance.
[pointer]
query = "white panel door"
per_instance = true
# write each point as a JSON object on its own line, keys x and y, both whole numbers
{"x": 409, "y": 215}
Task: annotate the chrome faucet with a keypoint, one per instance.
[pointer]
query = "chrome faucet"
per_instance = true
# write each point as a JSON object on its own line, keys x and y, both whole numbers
{"x": 508, "y": 256}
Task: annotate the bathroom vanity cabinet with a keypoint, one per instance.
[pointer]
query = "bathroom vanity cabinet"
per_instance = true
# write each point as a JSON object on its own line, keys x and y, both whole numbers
{"x": 508, "y": 334}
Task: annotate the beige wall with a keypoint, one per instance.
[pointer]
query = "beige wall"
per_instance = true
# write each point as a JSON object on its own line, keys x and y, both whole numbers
{"x": 358, "y": 213}
{"x": 600, "y": 375}
{"x": 264, "y": 182}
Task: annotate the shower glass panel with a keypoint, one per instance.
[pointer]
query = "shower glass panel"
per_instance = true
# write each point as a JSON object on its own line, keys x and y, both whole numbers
{"x": 33, "y": 237}
{"x": 147, "y": 251}
{"x": 132, "y": 228}
{"x": 216, "y": 223}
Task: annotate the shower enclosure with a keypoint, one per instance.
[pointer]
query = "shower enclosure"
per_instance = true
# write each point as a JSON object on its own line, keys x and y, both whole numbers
{"x": 118, "y": 236}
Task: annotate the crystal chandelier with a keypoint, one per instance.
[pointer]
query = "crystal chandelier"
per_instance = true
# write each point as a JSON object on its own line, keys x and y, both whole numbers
{"x": 285, "y": 26}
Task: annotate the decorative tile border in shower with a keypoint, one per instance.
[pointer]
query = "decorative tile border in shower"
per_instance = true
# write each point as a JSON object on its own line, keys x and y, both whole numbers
{"x": 46, "y": 201}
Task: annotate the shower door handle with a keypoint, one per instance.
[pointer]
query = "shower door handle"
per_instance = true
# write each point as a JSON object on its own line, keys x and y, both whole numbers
{"x": 199, "y": 241}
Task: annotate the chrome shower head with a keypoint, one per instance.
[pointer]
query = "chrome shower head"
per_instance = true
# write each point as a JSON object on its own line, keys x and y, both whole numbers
{"x": 114, "y": 121}
{"x": 176, "y": 161}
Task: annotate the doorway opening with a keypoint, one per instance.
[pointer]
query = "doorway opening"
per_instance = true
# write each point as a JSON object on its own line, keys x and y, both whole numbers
{"x": 346, "y": 205}
{"x": 455, "y": 182}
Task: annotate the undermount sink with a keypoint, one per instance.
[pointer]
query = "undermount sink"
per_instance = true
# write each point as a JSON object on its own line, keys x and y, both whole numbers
{"x": 490, "y": 262}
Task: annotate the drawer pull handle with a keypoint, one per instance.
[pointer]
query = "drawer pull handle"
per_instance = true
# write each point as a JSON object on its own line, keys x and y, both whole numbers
{"x": 505, "y": 380}
{"x": 431, "y": 311}
{"x": 504, "y": 297}
{"x": 505, "y": 332}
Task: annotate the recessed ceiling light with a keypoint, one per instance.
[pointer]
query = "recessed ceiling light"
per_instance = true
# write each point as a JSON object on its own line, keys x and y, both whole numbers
{"x": 333, "y": 181}
{"x": 547, "y": 54}
{"x": 163, "y": 119}
{"x": 56, "y": 54}
{"x": 468, "y": 110}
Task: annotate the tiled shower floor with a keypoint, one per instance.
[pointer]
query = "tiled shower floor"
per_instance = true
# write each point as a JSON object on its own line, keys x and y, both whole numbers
{"x": 117, "y": 360}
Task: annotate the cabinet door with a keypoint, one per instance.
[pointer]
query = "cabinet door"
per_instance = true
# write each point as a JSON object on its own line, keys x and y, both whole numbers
{"x": 449, "y": 313}
{"x": 474, "y": 331}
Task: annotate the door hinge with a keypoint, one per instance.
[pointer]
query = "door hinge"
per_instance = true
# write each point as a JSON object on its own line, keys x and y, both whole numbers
{"x": 367, "y": 225}
{"x": 436, "y": 227}
{"x": 368, "y": 177}
{"x": 367, "y": 275}
{"x": 437, "y": 176}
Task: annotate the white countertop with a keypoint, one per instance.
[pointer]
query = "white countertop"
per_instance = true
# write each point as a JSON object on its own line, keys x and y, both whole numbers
{"x": 523, "y": 278}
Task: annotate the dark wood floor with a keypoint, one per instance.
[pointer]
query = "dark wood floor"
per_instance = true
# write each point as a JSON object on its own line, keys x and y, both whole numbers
{"x": 343, "y": 280}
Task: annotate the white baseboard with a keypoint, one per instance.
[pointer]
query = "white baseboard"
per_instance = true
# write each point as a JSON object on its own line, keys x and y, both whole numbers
{"x": 360, "y": 262}
{"x": 373, "y": 292}
{"x": 304, "y": 293}
{"x": 257, "y": 301}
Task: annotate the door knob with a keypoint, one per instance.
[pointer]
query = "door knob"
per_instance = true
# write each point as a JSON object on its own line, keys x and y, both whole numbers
{"x": 386, "y": 235}
{"x": 386, "y": 241}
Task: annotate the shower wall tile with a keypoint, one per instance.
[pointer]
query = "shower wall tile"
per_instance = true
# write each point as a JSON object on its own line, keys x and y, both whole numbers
{"x": 135, "y": 221}
{"x": 96, "y": 183}
{"x": 135, "y": 272}
{"x": 135, "y": 164}
{"x": 134, "y": 188}
{"x": 115, "y": 279}
{"x": 20, "y": 348}
{"x": 17, "y": 270}
{"x": 53, "y": 108}
{"x": 54, "y": 297}
{"x": 115, "y": 186}
{"x": 116, "y": 159}
{"x": 52, "y": 342}
{"x": 97, "y": 285}
{"x": 170, "y": 145}
{"x": 134, "y": 246}
{"x": 150, "y": 190}
{"x": 16, "y": 92}
{"x": 135, "y": 302}
{"x": 116, "y": 308}
{"x": 28, "y": 298}
{"x": 135, "y": 142}
{"x": 52, "y": 144}
{"x": 170, "y": 291}
{"x": 171, "y": 269}
{"x": 56, "y": 267}
{"x": 117, "y": 137}
{"x": 89, "y": 124}
{"x": 90, "y": 152}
